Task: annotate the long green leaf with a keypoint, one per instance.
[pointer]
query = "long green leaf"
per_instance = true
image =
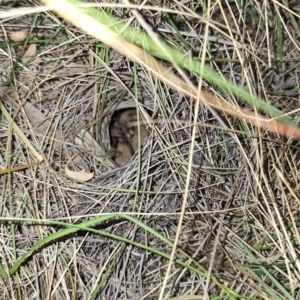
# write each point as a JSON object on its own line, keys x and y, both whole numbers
{"x": 168, "y": 53}
{"x": 87, "y": 226}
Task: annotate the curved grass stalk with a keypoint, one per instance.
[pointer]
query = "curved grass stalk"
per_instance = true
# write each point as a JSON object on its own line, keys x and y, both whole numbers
{"x": 121, "y": 37}
{"x": 88, "y": 226}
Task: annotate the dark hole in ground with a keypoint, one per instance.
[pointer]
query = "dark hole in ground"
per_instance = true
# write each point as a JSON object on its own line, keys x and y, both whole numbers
{"x": 123, "y": 133}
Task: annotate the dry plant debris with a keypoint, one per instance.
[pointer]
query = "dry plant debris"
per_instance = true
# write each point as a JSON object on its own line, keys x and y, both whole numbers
{"x": 242, "y": 215}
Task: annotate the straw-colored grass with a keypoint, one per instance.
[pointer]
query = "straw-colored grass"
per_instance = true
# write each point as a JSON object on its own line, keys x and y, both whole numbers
{"x": 207, "y": 208}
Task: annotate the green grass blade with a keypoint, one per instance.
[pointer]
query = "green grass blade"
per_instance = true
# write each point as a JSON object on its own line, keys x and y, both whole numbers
{"x": 87, "y": 226}
{"x": 268, "y": 290}
{"x": 2, "y": 272}
{"x": 168, "y": 53}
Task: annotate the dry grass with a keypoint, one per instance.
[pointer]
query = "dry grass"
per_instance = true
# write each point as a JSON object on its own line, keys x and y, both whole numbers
{"x": 241, "y": 220}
